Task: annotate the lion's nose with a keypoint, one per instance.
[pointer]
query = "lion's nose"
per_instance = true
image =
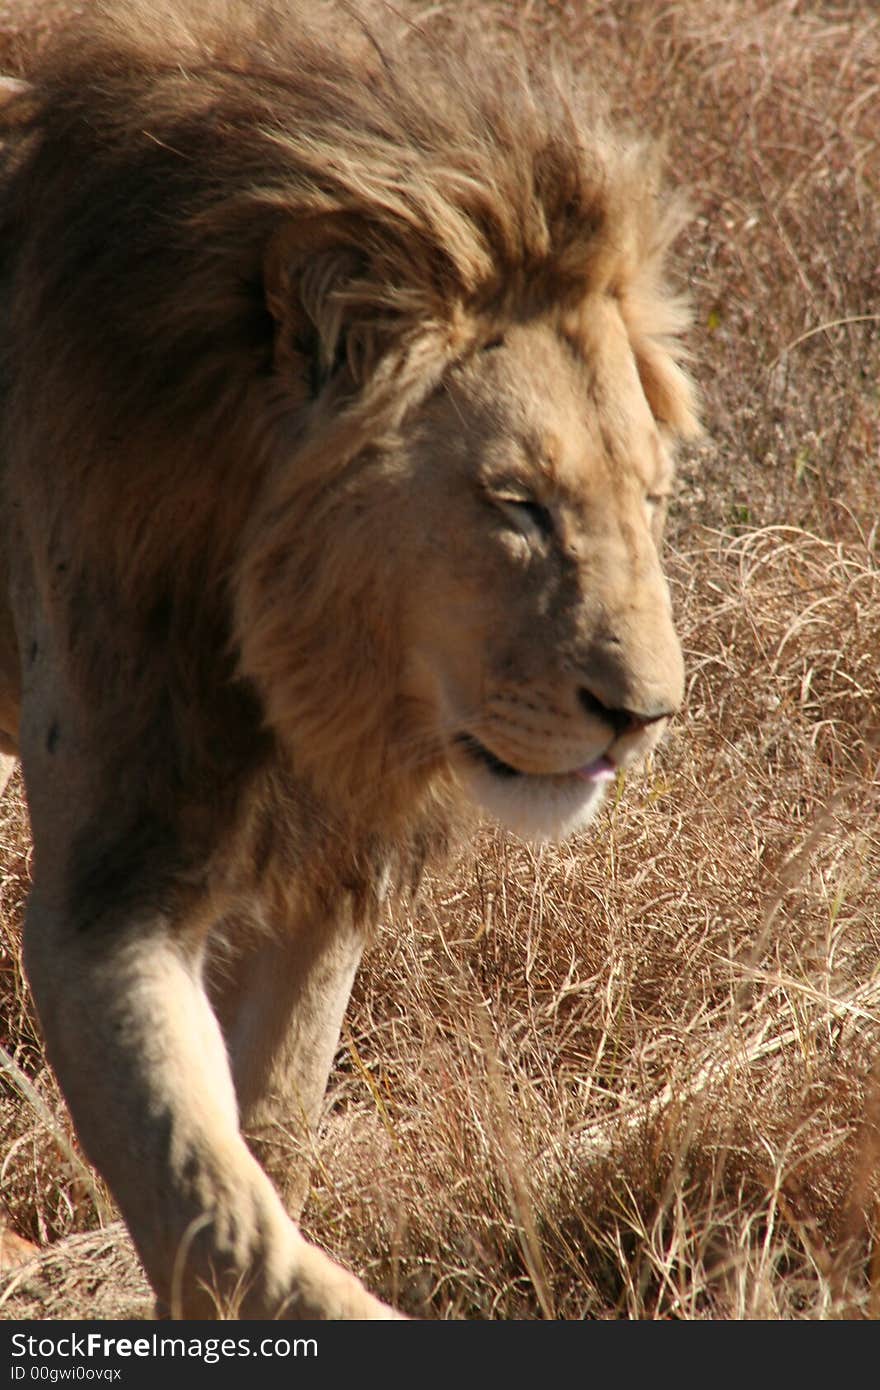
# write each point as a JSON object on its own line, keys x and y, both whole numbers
{"x": 622, "y": 721}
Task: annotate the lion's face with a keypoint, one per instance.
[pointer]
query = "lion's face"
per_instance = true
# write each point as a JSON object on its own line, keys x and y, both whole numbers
{"x": 539, "y": 642}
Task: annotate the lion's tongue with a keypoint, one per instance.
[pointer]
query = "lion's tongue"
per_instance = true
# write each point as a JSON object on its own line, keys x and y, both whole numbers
{"x": 602, "y": 770}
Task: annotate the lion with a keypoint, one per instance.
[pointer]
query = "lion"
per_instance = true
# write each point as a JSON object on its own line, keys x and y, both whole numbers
{"x": 340, "y": 392}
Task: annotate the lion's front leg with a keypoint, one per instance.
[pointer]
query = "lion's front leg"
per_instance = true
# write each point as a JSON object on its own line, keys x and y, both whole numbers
{"x": 142, "y": 1062}
{"x": 280, "y": 998}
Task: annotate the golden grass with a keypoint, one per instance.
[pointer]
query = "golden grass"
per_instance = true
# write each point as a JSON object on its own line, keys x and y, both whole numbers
{"x": 637, "y": 1075}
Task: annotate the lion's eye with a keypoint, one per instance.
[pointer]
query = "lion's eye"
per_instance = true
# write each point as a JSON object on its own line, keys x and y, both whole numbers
{"x": 525, "y": 514}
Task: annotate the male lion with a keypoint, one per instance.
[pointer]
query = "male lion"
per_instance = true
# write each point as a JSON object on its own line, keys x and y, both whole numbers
{"x": 337, "y": 405}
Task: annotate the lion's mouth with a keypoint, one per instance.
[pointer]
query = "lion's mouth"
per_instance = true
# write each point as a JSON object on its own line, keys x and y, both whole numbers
{"x": 601, "y": 769}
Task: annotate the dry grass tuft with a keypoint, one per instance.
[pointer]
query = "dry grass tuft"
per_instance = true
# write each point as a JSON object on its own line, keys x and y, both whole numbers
{"x": 637, "y": 1075}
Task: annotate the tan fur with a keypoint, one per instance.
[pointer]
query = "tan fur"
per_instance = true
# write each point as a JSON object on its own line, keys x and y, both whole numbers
{"x": 338, "y": 394}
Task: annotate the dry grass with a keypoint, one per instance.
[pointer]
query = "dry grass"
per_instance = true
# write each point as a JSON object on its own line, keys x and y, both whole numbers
{"x": 637, "y": 1076}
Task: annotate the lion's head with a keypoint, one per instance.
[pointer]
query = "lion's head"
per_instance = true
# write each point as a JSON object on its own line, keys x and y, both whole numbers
{"x": 464, "y": 543}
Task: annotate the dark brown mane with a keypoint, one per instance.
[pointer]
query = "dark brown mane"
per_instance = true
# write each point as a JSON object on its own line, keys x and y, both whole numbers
{"x": 169, "y": 142}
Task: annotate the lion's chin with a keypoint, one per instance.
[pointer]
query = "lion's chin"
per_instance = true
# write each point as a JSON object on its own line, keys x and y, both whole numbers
{"x": 539, "y": 808}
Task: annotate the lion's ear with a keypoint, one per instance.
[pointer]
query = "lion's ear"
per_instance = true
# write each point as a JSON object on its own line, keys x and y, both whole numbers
{"x": 305, "y": 273}
{"x": 668, "y": 389}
